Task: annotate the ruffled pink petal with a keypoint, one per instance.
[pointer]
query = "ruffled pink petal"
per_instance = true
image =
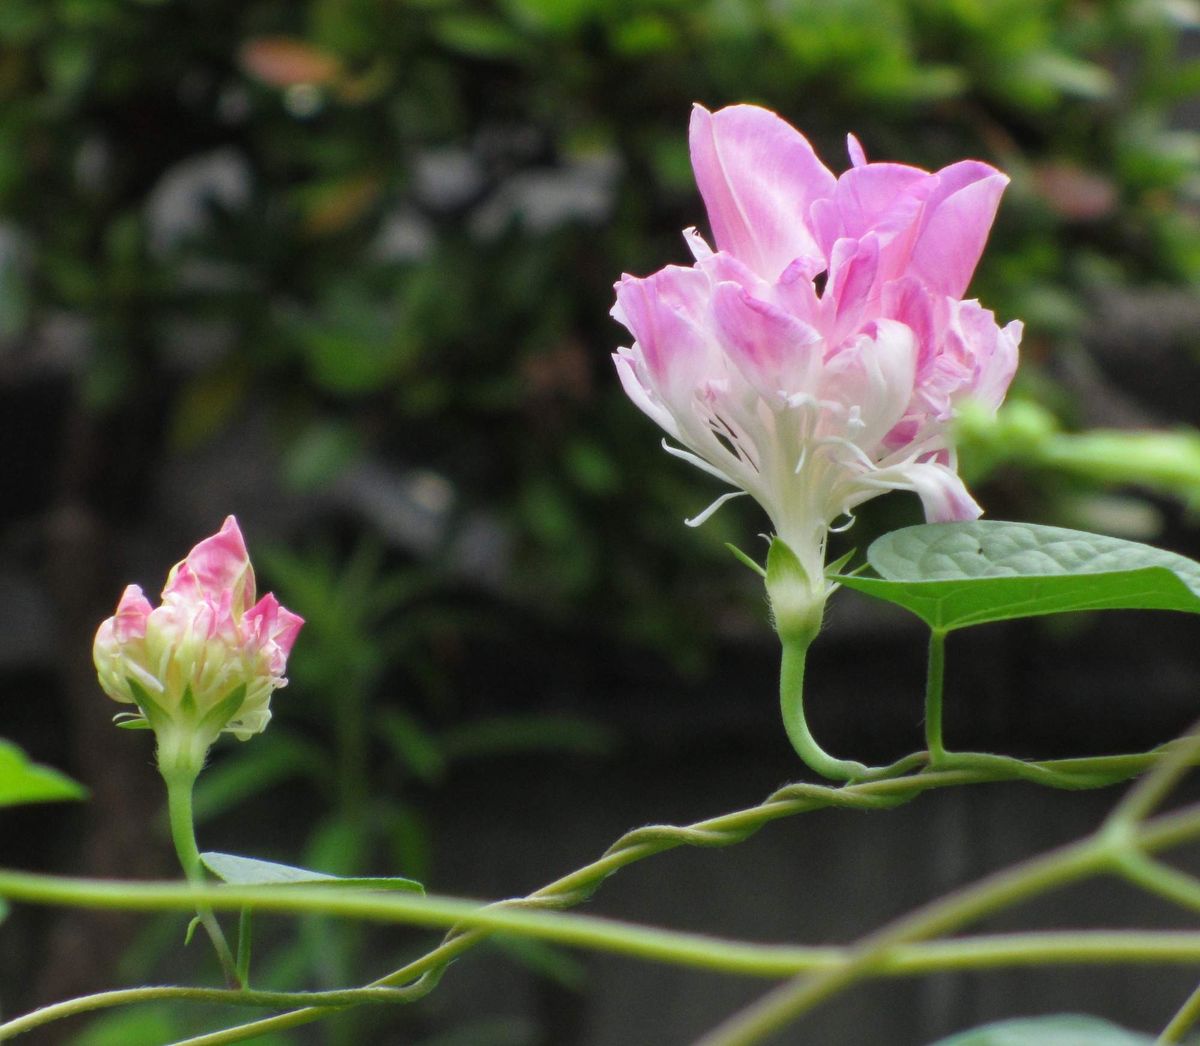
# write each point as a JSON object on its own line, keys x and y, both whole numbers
{"x": 775, "y": 352}
{"x": 858, "y": 158}
{"x": 129, "y": 622}
{"x": 955, "y": 226}
{"x": 908, "y": 301}
{"x": 986, "y": 353}
{"x": 216, "y": 564}
{"x": 853, "y": 269}
{"x": 287, "y": 628}
{"x": 759, "y": 177}
{"x": 884, "y": 198}
{"x": 873, "y": 378}
{"x": 665, "y": 313}
{"x": 943, "y": 495}
{"x": 631, "y": 370}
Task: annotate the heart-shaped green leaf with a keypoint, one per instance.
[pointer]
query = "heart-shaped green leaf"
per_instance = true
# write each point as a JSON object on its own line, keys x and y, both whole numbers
{"x": 249, "y": 871}
{"x": 953, "y": 575}
{"x": 1061, "y": 1030}
{"x": 22, "y": 781}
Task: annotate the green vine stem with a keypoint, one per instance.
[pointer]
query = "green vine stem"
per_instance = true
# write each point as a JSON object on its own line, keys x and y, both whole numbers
{"x": 980, "y": 952}
{"x": 421, "y": 975}
{"x": 1182, "y": 1022}
{"x": 791, "y": 706}
{"x": 181, "y": 780}
{"x": 934, "y": 684}
{"x": 225, "y": 996}
{"x": 1115, "y": 847}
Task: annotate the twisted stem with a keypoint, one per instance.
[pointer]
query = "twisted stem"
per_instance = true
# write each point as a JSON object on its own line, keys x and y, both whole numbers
{"x": 728, "y": 829}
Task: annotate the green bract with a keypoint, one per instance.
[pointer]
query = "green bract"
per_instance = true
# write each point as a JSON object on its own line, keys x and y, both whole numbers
{"x": 250, "y": 871}
{"x": 953, "y": 575}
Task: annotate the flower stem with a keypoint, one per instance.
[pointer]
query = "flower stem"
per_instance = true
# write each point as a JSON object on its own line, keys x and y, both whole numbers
{"x": 1187, "y": 1016}
{"x": 791, "y": 704}
{"x": 934, "y": 683}
{"x": 421, "y": 975}
{"x": 180, "y": 782}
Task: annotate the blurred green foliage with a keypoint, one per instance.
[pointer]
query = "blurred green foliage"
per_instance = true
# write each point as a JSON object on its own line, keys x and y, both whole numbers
{"x": 391, "y": 227}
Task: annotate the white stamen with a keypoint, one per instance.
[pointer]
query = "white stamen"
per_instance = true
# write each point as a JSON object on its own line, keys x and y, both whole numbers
{"x": 693, "y": 459}
{"x": 707, "y": 514}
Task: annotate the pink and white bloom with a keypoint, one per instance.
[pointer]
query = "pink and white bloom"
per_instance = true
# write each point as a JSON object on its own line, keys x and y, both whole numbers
{"x": 207, "y": 659}
{"x": 818, "y": 356}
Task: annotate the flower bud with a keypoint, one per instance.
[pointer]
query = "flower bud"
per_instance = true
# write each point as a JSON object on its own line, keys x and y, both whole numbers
{"x": 206, "y": 660}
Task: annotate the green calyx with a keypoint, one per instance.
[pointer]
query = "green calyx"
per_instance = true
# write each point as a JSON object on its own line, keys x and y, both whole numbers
{"x": 797, "y": 599}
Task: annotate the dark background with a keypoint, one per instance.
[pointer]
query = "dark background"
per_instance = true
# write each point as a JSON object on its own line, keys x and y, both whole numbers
{"x": 342, "y": 267}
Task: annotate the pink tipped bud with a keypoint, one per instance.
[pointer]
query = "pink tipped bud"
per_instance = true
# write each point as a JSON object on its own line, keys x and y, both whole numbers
{"x": 205, "y": 660}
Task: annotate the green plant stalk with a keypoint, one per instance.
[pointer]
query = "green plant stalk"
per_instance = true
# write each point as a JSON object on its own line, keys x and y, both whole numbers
{"x": 934, "y": 685}
{"x": 1182, "y": 1022}
{"x": 718, "y": 831}
{"x": 225, "y": 996}
{"x": 1116, "y": 847}
{"x": 181, "y": 781}
{"x": 791, "y": 706}
{"x": 245, "y": 935}
{"x": 1163, "y": 947}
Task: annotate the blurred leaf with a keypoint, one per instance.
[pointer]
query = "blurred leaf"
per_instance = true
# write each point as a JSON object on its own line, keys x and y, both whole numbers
{"x": 319, "y": 454}
{"x": 412, "y": 744}
{"x": 68, "y": 61}
{"x": 206, "y": 405}
{"x": 479, "y": 37}
{"x": 506, "y": 735}
{"x": 149, "y": 1023}
{"x": 284, "y": 61}
{"x": 494, "y": 1031}
{"x": 1063, "y": 1030}
{"x": 642, "y": 35}
{"x": 245, "y": 772}
{"x": 409, "y": 838}
{"x": 23, "y": 781}
{"x": 559, "y": 16}
{"x": 1069, "y": 75}
{"x": 250, "y": 871}
{"x": 554, "y": 964}
{"x": 953, "y": 575}
{"x": 330, "y": 207}
{"x": 592, "y": 467}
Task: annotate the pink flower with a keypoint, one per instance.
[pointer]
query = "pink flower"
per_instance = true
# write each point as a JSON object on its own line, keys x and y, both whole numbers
{"x": 818, "y": 356}
{"x": 206, "y": 660}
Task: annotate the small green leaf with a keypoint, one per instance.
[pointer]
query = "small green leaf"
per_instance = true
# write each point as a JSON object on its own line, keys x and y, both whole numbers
{"x": 1059, "y": 1030}
{"x": 249, "y": 871}
{"x": 22, "y": 781}
{"x": 954, "y": 575}
{"x": 190, "y": 932}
